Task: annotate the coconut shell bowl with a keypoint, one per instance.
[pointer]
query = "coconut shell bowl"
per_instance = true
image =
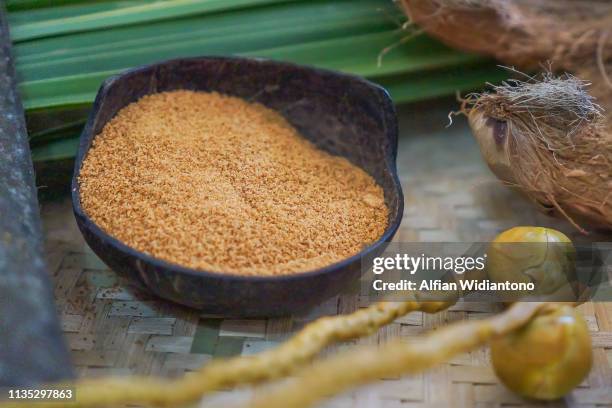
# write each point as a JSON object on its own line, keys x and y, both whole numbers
{"x": 342, "y": 114}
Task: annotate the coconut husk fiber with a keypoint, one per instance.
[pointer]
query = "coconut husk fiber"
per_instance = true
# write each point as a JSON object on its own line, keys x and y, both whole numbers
{"x": 550, "y": 135}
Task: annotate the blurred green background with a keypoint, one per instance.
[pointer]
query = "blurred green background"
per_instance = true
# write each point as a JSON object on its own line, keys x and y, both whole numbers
{"x": 64, "y": 49}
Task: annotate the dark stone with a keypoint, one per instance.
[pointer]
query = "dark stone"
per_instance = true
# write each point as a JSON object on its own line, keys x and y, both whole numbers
{"x": 32, "y": 350}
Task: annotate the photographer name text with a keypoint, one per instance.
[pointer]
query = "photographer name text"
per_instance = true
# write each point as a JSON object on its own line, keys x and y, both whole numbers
{"x": 484, "y": 285}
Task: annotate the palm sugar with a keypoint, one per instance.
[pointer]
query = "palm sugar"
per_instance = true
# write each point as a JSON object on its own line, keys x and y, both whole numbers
{"x": 216, "y": 183}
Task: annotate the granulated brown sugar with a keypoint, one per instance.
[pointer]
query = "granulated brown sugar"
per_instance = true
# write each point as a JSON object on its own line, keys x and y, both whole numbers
{"x": 214, "y": 182}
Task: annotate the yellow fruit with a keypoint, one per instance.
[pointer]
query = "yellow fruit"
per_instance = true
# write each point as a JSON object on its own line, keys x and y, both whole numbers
{"x": 543, "y": 256}
{"x": 547, "y": 358}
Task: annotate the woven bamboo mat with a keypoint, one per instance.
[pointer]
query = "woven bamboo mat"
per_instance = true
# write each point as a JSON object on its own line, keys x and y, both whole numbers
{"x": 113, "y": 329}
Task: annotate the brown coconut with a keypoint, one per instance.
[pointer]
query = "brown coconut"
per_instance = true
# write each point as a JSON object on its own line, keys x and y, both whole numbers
{"x": 521, "y": 32}
{"x": 547, "y": 136}
{"x": 550, "y": 136}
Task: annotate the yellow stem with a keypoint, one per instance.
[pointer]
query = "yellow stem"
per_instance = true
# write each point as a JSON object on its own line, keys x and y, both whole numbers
{"x": 366, "y": 364}
{"x": 227, "y": 373}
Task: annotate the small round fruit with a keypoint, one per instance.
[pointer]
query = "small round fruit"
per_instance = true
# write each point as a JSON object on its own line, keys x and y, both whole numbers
{"x": 547, "y": 358}
{"x": 543, "y": 256}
